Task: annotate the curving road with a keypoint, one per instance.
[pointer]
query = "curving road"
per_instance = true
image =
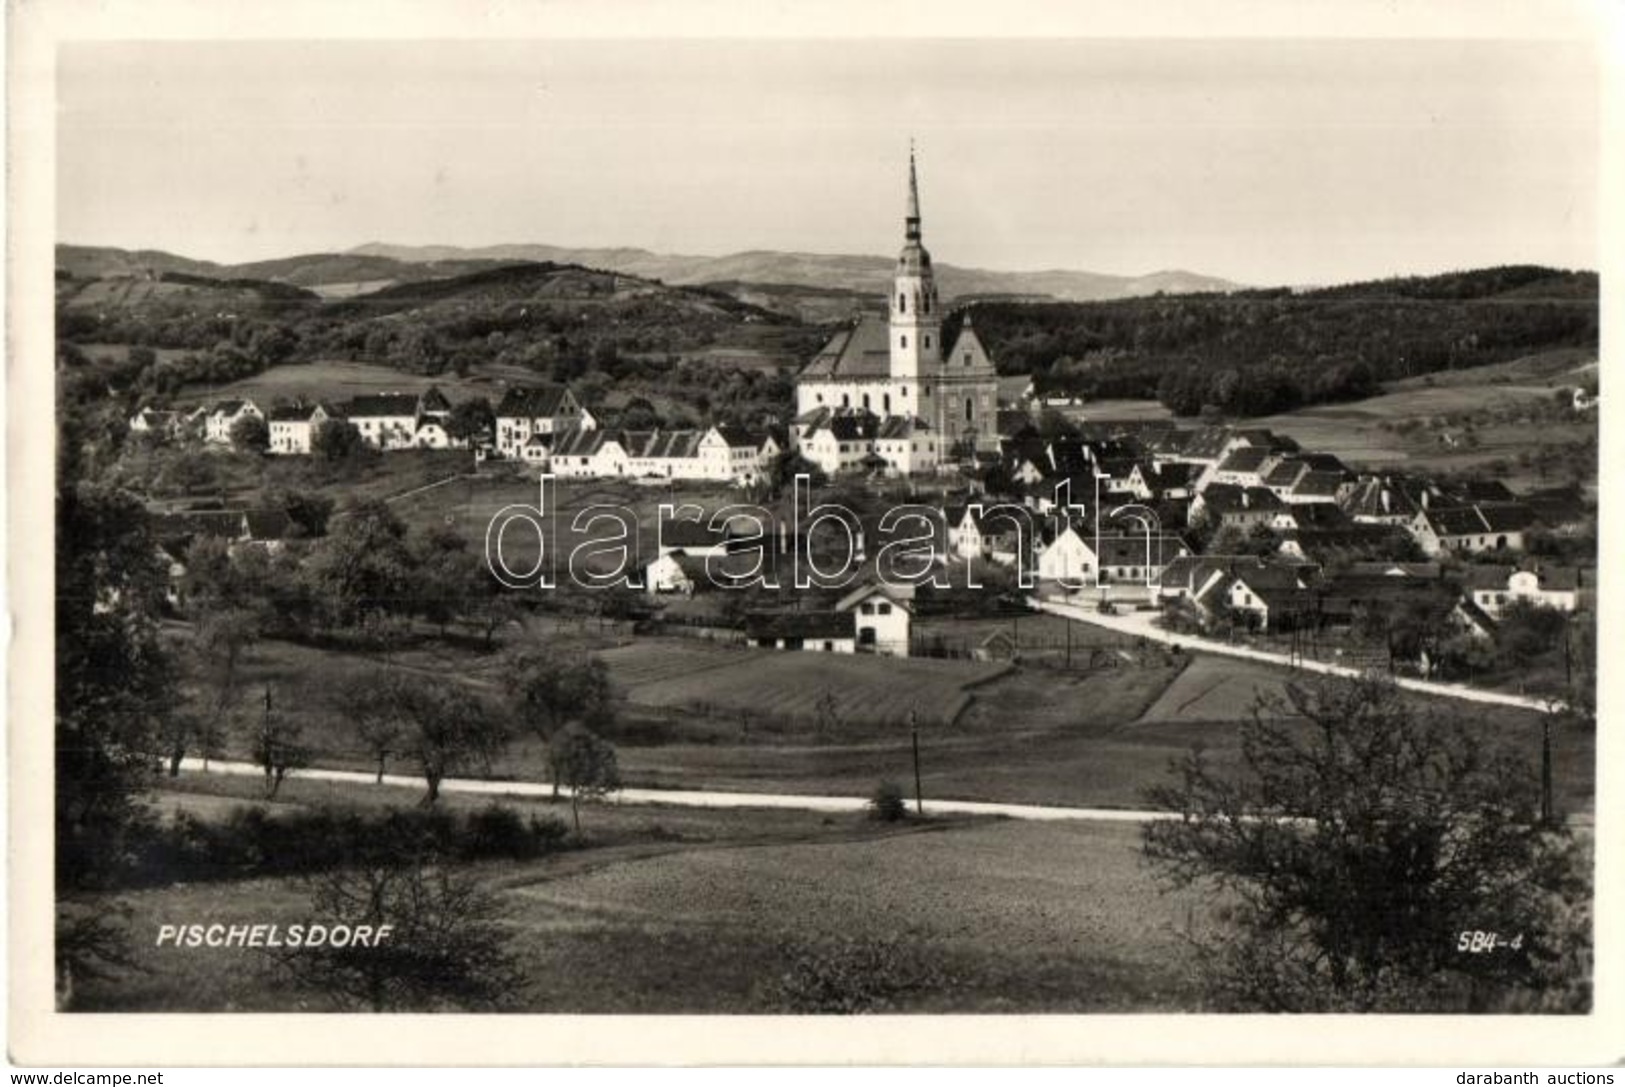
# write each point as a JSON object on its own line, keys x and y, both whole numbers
{"x": 1142, "y": 624}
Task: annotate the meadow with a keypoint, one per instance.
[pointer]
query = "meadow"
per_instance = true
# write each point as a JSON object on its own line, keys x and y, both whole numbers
{"x": 690, "y": 911}
{"x": 876, "y": 691}
{"x": 336, "y": 379}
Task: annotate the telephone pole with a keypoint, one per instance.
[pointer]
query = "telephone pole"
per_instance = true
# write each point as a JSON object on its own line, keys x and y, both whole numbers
{"x": 914, "y": 734}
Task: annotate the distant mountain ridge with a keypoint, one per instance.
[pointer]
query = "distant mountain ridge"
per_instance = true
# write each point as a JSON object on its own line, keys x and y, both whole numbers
{"x": 827, "y": 271}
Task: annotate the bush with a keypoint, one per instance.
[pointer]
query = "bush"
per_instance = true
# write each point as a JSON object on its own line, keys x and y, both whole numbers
{"x": 887, "y": 804}
{"x": 851, "y": 975}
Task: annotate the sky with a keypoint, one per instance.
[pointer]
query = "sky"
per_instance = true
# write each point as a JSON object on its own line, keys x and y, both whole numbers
{"x": 1262, "y": 161}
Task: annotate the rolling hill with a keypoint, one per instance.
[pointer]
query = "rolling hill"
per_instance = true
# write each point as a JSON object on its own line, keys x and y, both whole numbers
{"x": 864, "y": 274}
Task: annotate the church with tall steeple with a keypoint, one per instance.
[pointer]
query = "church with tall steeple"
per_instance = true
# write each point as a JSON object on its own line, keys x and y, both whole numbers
{"x": 890, "y": 395}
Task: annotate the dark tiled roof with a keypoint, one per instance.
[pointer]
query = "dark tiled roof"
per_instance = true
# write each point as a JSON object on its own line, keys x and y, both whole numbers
{"x": 1222, "y": 498}
{"x": 531, "y": 402}
{"x": 900, "y": 426}
{"x": 375, "y": 405}
{"x": 1246, "y": 459}
{"x": 1318, "y": 484}
{"x": 798, "y": 624}
{"x": 859, "y": 353}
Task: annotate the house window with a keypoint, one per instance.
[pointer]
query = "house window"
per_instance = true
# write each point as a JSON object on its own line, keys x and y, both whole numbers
{"x": 883, "y": 609}
{"x": 867, "y": 609}
{"x": 928, "y": 341}
{"x": 865, "y": 401}
{"x": 967, "y": 354}
{"x": 885, "y": 403}
{"x": 902, "y": 302}
{"x": 829, "y": 647}
{"x": 927, "y": 393}
{"x": 903, "y": 340}
{"x": 969, "y": 409}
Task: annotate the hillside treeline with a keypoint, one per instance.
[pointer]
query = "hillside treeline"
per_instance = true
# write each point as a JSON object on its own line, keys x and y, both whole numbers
{"x": 561, "y": 322}
{"x": 1263, "y": 351}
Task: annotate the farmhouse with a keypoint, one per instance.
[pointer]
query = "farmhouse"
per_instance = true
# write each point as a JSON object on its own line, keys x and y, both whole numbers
{"x": 1496, "y": 526}
{"x": 1495, "y": 588}
{"x": 818, "y": 632}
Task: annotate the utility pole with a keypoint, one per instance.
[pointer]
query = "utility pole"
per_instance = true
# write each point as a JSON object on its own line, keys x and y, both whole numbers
{"x": 1546, "y": 769}
{"x": 914, "y": 733}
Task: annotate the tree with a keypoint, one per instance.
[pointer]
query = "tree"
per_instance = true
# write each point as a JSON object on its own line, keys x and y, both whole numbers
{"x": 250, "y": 434}
{"x": 277, "y": 748}
{"x": 337, "y": 441}
{"x": 358, "y": 701}
{"x": 471, "y": 421}
{"x": 639, "y": 414}
{"x": 221, "y": 641}
{"x": 364, "y": 568}
{"x": 445, "y": 727}
{"x": 551, "y": 694}
{"x": 586, "y": 765}
{"x": 309, "y": 510}
{"x": 444, "y": 947}
{"x": 1357, "y": 841}
{"x": 115, "y": 681}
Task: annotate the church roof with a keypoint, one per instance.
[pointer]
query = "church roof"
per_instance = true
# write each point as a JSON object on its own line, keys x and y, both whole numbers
{"x": 860, "y": 353}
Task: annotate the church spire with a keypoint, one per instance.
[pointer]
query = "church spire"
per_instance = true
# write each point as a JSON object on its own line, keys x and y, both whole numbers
{"x": 911, "y": 223}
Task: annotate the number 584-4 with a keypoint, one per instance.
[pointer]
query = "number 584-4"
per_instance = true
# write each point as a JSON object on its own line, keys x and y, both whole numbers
{"x": 1476, "y": 942}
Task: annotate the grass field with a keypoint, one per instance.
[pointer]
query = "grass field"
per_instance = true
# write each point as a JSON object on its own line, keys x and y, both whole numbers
{"x": 877, "y": 691}
{"x": 334, "y": 379}
{"x": 987, "y": 917}
{"x": 1356, "y": 432}
{"x": 1214, "y": 693}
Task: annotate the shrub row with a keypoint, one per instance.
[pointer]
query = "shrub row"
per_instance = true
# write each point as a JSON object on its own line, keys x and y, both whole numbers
{"x": 250, "y": 842}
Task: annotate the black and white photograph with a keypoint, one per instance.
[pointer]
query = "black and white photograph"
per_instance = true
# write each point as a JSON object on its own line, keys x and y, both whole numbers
{"x": 861, "y": 526}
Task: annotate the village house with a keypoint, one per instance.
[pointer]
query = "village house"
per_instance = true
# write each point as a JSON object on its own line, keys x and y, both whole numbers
{"x": 1496, "y": 526}
{"x": 676, "y": 571}
{"x": 386, "y": 420}
{"x": 1270, "y": 597}
{"x": 882, "y": 616}
{"x": 813, "y": 631}
{"x": 838, "y": 441}
{"x": 985, "y": 531}
{"x": 1495, "y": 588}
{"x": 1070, "y": 558}
{"x": 1225, "y": 505}
{"x": 156, "y": 423}
{"x": 292, "y": 427}
{"x": 527, "y": 417}
{"x": 225, "y": 414}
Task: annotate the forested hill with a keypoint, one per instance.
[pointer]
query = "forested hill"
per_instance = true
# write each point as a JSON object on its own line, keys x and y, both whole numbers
{"x": 1262, "y": 351}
